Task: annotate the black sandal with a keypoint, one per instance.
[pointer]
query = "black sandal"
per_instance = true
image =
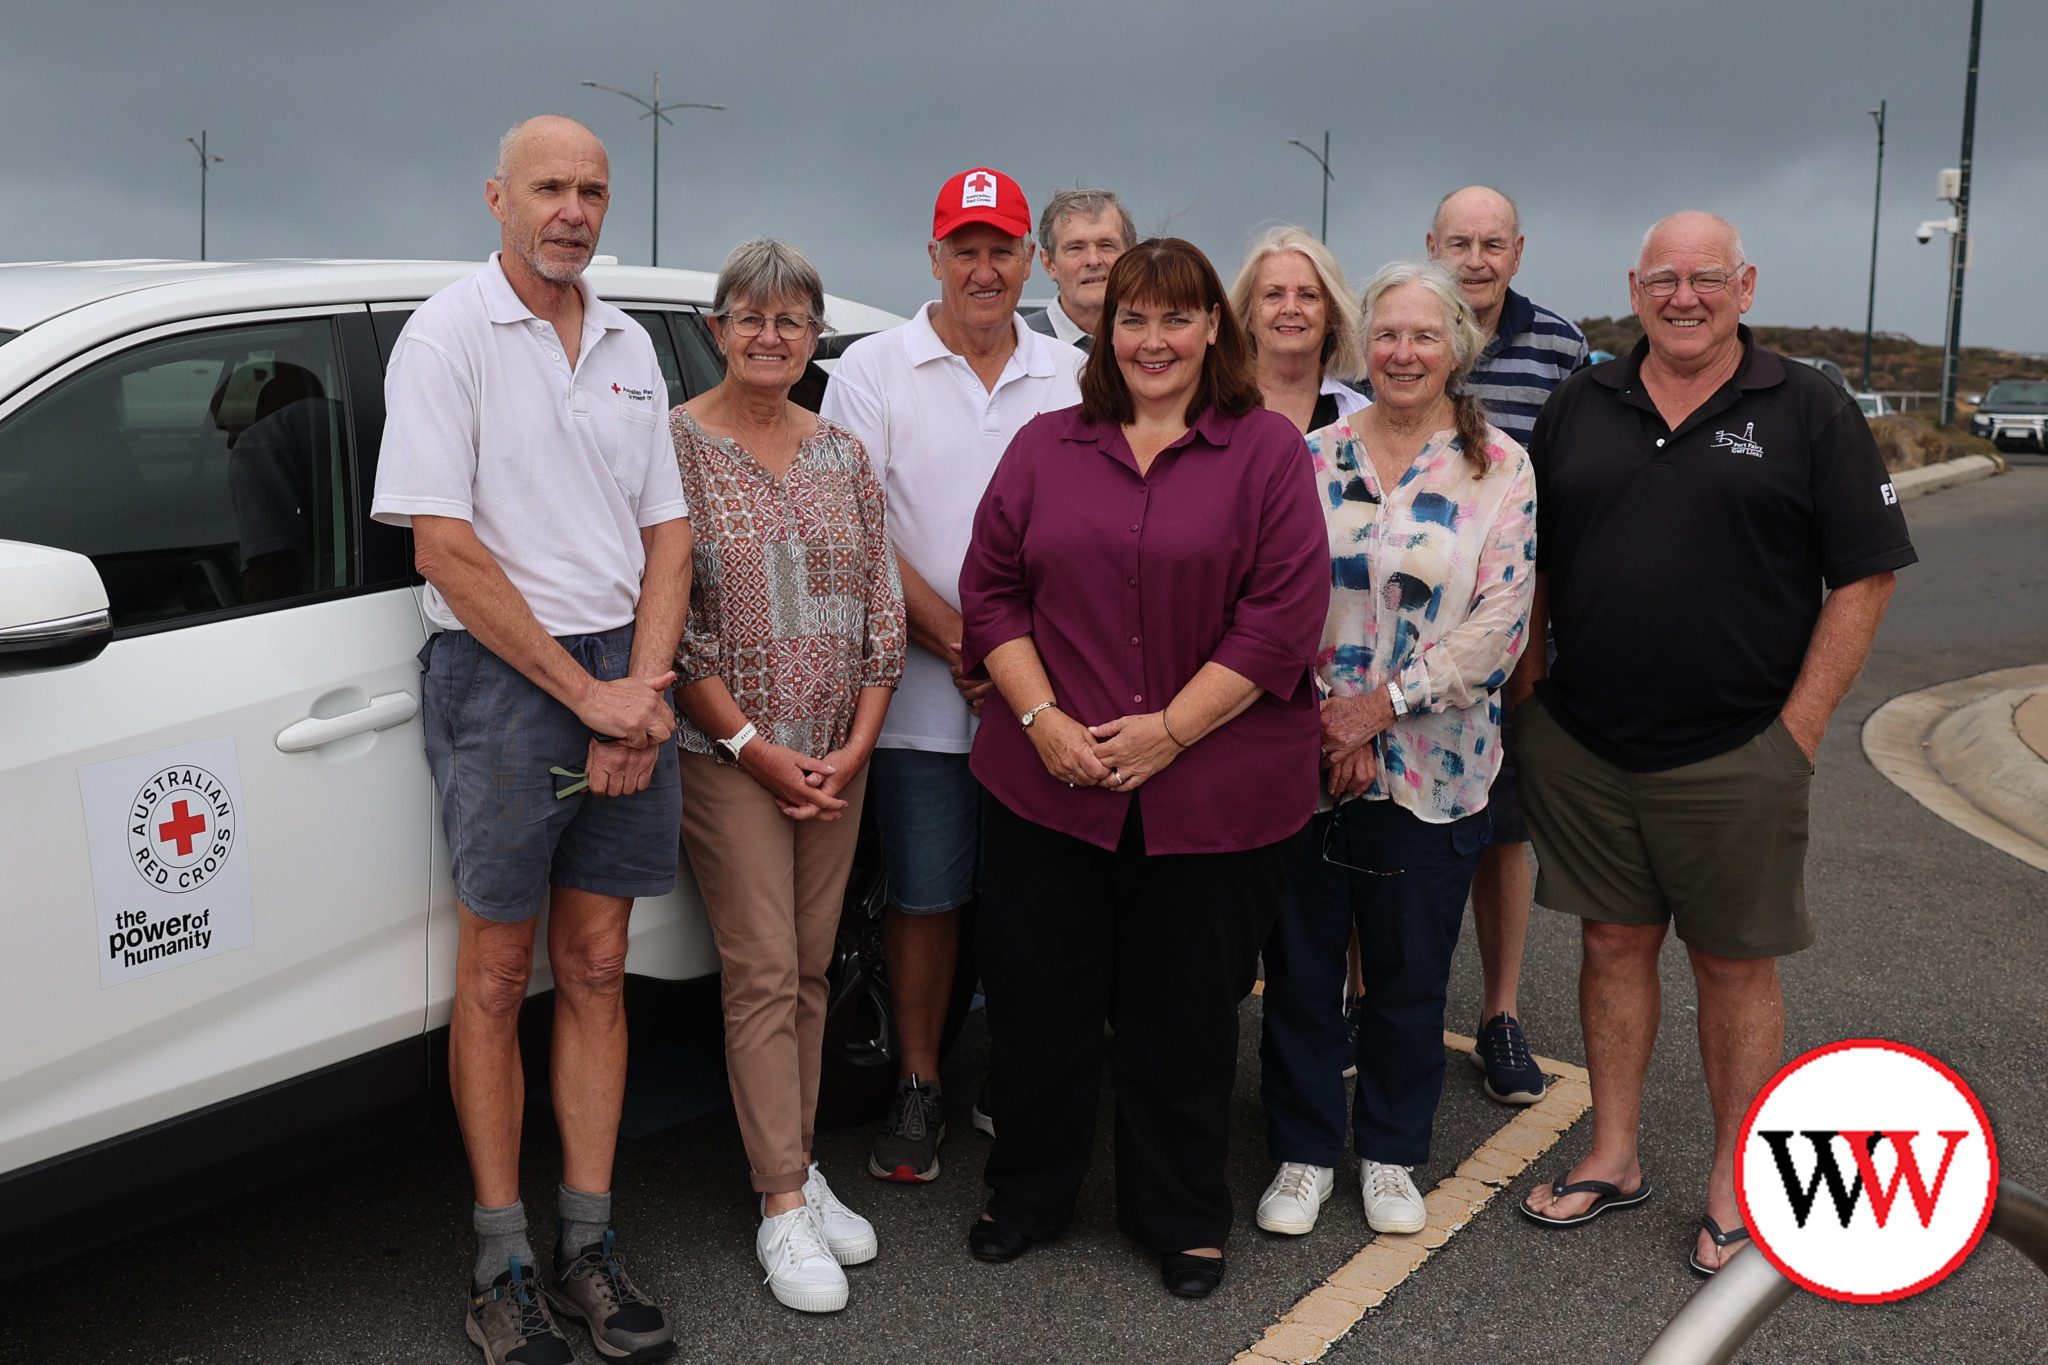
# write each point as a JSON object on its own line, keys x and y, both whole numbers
{"x": 1611, "y": 1197}
{"x": 1738, "y": 1233}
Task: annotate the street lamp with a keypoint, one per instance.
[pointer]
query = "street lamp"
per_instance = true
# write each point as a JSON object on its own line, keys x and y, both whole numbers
{"x": 1959, "y": 239}
{"x": 199, "y": 146}
{"x": 657, "y": 111}
{"x": 1870, "y": 310}
{"x": 1328, "y": 175}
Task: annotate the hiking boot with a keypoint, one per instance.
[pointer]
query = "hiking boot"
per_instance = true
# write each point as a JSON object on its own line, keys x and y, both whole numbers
{"x": 1297, "y": 1194}
{"x": 1392, "y": 1203}
{"x": 848, "y": 1236}
{"x": 592, "y": 1288}
{"x": 510, "y": 1320}
{"x": 802, "y": 1273}
{"x": 907, "y": 1144}
{"x": 1512, "y": 1076}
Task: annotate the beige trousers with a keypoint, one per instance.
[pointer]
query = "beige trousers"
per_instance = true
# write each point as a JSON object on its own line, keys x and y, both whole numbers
{"x": 772, "y": 887}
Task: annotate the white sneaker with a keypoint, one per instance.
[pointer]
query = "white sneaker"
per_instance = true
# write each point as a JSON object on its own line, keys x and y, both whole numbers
{"x": 848, "y": 1236}
{"x": 1392, "y": 1203}
{"x": 1297, "y": 1194}
{"x": 801, "y": 1272}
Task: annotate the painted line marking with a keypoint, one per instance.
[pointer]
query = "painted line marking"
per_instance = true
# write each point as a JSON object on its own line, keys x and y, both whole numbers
{"x": 1322, "y": 1317}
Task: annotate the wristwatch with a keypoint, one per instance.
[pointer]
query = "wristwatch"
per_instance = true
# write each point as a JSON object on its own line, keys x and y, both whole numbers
{"x": 747, "y": 735}
{"x": 1031, "y": 715}
{"x": 1397, "y": 697}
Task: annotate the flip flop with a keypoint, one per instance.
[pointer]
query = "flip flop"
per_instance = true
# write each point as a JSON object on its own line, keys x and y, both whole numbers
{"x": 1738, "y": 1233}
{"x": 1611, "y": 1197}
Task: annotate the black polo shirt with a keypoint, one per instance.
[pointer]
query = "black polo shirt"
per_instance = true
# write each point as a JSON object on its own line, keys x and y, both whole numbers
{"x": 1685, "y": 568}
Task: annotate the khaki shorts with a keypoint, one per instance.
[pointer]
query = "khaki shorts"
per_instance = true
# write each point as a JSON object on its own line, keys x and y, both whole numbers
{"x": 1718, "y": 847}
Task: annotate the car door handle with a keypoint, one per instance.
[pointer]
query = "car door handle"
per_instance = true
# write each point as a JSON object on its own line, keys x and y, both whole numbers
{"x": 393, "y": 708}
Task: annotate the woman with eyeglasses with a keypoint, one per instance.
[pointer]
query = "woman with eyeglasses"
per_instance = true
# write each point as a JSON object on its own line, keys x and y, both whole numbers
{"x": 791, "y": 654}
{"x": 1431, "y": 513}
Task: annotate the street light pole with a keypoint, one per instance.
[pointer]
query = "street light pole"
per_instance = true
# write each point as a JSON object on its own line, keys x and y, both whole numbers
{"x": 657, "y": 111}
{"x": 1328, "y": 175}
{"x": 199, "y": 146}
{"x": 1870, "y": 309}
{"x": 1959, "y": 246}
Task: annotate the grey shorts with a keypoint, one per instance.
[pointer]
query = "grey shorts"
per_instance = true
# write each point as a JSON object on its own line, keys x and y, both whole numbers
{"x": 1716, "y": 848}
{"x": 492, "y": 735}
{"x": 928, "y": 807}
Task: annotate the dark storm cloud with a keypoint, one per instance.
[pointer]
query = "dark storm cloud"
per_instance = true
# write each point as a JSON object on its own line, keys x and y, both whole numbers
{"x": 366, "y": 129}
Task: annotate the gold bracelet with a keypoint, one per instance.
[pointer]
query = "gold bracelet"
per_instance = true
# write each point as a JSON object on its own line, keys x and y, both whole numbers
{"x": 1169, "y": 729}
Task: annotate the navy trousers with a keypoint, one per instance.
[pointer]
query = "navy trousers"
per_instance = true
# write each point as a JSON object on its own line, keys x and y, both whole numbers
{"x": 1403, "y": 883}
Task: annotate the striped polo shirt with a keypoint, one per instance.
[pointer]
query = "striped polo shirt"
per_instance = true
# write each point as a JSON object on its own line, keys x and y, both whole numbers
{"x": 1531, "y": 353}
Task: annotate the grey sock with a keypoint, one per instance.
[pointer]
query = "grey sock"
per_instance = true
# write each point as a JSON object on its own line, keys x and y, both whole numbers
{"x": 582, "y": 1219}
{"x": 500, "y": 1235}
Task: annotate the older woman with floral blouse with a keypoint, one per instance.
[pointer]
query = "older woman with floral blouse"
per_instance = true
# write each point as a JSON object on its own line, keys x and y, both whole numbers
{"x": 792, "y": 651}
{"x": 1431, "y": 517}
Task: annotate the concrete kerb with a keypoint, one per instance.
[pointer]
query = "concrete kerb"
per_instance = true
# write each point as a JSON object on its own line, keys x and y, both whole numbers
{"x": 1958, "y": 750}
{"x": 1912, "y": 483}
{"x": 1334, "y": 1307}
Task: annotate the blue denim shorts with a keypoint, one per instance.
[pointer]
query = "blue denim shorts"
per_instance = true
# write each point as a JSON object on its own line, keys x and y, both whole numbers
{"x": 929, "y": 809}
{"x": 492, "y": 735}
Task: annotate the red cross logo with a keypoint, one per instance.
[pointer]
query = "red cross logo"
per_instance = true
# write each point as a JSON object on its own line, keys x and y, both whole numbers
{"x": 978, "y": 182}
{"x": 182, "y": 828}
{"x": 615, "y": 388}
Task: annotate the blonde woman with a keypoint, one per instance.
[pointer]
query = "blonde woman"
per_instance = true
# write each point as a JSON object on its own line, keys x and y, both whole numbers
{"x": 1298, "y": 313}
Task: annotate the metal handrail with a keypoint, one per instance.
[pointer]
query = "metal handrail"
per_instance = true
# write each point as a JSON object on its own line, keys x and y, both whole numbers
{"x": 1716, "y": 1321}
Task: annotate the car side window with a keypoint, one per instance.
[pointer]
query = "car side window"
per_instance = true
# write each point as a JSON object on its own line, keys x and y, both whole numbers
{"x": 665, "y": 352}
{"x": 703, "y": 366}
{"x": 202, "y": 473}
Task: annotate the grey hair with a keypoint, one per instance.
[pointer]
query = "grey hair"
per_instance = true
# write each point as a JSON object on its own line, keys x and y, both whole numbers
{"x": 1078, "y": 203}
{"x": 765, "y": 272}
{"x": 1468, "y": 339}
{"x": 1343, "y": 351}
{"x": 1735, "y": 237}
{"x": 510, "y": 141}
{"x": 1514, "y": 209}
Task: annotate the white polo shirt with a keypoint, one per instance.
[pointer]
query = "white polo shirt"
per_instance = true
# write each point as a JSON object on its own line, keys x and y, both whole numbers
{"x": 558, "y": 469}
{"x": 935, "y": 435}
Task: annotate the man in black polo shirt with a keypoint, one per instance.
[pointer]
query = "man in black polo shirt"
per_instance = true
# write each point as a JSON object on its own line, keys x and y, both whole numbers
{"x": 1694, "y": 498}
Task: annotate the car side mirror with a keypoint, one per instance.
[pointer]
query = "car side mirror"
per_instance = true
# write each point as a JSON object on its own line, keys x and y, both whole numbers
{"x": 53, "y": 608}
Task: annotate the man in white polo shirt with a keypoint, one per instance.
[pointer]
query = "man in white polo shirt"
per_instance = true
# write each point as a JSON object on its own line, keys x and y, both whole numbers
{"x": 524, "y": 446}
{"x": 936, "y": 402}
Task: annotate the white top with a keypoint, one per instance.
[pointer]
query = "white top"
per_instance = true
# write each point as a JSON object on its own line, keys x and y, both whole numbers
{"x": 557, "y": 469}
{"x": 935, "y": 436}
{"x": 1349, "y": 400}
{"x": 1064, "y": 327}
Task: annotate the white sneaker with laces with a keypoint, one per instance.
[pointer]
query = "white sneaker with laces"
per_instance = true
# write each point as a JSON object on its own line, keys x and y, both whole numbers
{"x": 801, "y": 1272}
{"x": 848, "y": 1236}
{"x": 1392, "y": 1203}
{"x": 1297, "y": 1194}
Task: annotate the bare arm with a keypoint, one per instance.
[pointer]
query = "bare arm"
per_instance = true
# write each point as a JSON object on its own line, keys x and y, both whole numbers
{"x": 1138, "y": 748}
{"x": 451, "y": 558}
{"x": 1841, "y": 642}
{"x": 1534, "y": 664}
{"x": 935, "y": 626}
{"x": 783, "y": 773}
{"x": 1063, "y": 743}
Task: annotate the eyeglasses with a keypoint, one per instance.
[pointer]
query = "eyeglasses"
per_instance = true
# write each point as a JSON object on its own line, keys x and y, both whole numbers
{"x": 753, "y": 324}
{"x": 1664, "y": 285}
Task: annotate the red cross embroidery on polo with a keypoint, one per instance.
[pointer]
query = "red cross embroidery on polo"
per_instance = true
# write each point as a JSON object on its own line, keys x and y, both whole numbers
{"x": 615, "y": 388}
{"x": 182, "y": 828}
{"x": 978, "y": 182}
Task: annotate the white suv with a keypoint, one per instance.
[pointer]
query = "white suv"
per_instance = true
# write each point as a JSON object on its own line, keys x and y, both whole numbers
{"x": 228, "y": 918}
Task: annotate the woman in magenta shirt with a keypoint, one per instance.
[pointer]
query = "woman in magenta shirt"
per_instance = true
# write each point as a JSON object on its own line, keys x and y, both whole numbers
{"x": 1146, "y": 586}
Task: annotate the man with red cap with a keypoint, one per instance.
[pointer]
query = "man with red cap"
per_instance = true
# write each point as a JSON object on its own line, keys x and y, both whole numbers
{"x": 936, "y": 402}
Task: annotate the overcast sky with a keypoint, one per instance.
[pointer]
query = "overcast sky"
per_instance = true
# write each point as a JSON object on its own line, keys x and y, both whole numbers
{"x": 367, "y": 129}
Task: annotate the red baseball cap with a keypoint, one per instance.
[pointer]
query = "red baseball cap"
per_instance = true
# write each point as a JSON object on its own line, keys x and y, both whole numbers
{"x": 981, "y": 196}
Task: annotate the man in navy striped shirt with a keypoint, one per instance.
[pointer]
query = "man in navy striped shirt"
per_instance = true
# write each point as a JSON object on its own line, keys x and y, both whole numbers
{"x": 1529, "y": 351}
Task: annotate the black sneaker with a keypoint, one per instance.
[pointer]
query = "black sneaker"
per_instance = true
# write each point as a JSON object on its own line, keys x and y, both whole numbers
{"x": 1353, "y": 1012}
{"x": 593, "y": 1288}
{"x": 985, "y": 1110}
{"x": 907, "y": 1144}
{"x": 510, "y": 1320}
{"x": 1512, "y": 1076}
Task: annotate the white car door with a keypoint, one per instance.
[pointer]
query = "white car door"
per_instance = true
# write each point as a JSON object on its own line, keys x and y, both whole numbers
{"x": 217, "y": 832}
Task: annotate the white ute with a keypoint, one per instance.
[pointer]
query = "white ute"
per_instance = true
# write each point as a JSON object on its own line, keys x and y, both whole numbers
{"x": 228, "y": 919}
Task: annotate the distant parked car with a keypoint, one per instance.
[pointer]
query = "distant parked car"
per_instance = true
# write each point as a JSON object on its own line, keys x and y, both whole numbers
{"x": 2013, "y": 415}
{"x": 1830, "y": 369}
{"x": 1875, "y": 405}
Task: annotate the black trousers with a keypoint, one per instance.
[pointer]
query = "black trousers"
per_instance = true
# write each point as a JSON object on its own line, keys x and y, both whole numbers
{"x": 1163, "y": 948}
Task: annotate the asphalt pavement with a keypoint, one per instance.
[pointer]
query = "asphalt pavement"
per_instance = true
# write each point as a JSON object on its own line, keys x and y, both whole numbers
{"x": 1927, "y": 936}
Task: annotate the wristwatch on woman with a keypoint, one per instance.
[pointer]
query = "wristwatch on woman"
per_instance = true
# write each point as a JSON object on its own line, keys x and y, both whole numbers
{"x": 1397, "y": 697}
{"x": 747, "y": 735}
{"x": 1031, "y": 715}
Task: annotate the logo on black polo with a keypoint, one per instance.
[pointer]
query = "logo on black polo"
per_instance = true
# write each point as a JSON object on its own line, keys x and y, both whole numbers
{"x": 181, "y": 828}
{"x": 1745, "y": 444}
{"x": 1866, "y": 1171}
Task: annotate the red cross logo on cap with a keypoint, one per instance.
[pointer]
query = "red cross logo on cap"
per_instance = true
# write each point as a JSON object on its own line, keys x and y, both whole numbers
{"x": 978, "y": 182}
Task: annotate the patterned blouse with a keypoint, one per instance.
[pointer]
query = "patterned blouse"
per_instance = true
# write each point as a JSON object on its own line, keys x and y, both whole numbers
{"x": 1430, "y": 586}
{"x": 794, "y": 596}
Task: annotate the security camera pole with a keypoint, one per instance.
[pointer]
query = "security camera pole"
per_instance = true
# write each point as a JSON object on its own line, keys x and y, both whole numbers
{"x": 1328, "y": 176}
{"x": 1959, "y": 245}
{"x": 199, "y": 146}
{"x": 657, "y": 111}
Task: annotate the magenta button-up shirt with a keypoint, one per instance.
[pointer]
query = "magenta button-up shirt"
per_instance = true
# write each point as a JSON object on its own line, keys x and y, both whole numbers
{"x": 1128, "y": 584}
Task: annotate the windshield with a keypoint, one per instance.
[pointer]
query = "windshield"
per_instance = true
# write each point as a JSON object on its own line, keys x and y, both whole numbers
{"x": 7, "y": 336}
{"x": 2018, "y": 393}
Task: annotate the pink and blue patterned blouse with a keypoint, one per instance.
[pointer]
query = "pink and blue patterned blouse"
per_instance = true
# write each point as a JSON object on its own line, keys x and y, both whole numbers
{"x": 1430, "y": 586}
